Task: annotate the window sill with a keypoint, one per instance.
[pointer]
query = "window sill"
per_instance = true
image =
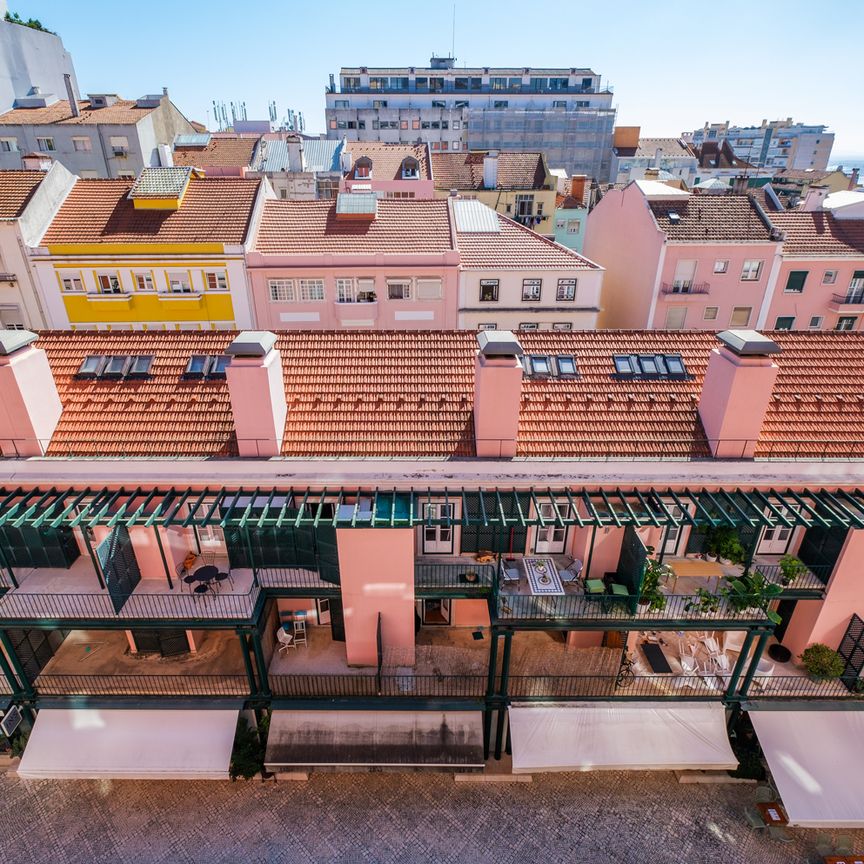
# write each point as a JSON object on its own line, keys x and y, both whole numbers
{"x": 113, "y": 298}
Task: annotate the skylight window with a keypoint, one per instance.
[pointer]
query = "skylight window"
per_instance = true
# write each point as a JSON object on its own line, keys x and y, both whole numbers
{"x": 622, "y": 364}
{"x": 196, "y": 367}
{"x": 140, "y": 367}
{"x": 219, "y": 365}
{"x": 206, "y": 366}
{"x": 540, "y": 365}
{"x": 116, "y": 366}
{"x": 566, "y": 365}
{"x": 649, "y": 366}
{"x": 91, "y": 367}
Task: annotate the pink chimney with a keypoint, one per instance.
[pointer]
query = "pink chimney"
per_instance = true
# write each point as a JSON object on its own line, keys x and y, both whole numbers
{"x": 497, "y": 393}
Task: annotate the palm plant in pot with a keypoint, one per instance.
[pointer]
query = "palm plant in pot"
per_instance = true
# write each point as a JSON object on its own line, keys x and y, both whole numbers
{"x": 722, "y": 542}
{"x": 753, "y": 591}
{"x": 650, "y": 595}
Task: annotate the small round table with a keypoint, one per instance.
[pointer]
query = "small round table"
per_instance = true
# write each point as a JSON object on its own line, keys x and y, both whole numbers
{"x": 207, "y": 573}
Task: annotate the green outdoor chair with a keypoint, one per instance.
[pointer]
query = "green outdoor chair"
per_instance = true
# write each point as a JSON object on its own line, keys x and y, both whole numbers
{"x": 780, "y": 834}
{"x": 594, "y": 586}
{"x": 754, "y": 818}
{"x": 843, "y": 845}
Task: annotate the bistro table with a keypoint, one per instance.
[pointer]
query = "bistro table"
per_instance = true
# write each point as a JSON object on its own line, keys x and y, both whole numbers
{"x": 207, "y": 573}
{"x": 542, "y": 575}
{"x": 772, "y": 813}
{"x": 844, "y": 859}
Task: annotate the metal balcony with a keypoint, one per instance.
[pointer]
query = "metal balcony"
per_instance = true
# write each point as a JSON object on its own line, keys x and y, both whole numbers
{"x": 686, "y": 288}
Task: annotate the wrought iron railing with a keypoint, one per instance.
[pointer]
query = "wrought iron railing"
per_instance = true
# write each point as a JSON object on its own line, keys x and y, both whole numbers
{"x": 616, "y": 686}
{"x": 803, "y": 687}
{"x": 684, "y": 290}
{"x": 405, "y": 685}
{"x": 815, "y": 577}
{"x": 678, "y": 607}
{"x": 142, "y": 685}
{"x": 174, "y": 605}
{"x": 849, "y": 298}
{"x": 302, "y": 576}
{"x": 453, "y": 576}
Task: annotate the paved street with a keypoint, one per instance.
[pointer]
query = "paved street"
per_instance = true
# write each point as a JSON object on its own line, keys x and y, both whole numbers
{"x": 599, "y": 818}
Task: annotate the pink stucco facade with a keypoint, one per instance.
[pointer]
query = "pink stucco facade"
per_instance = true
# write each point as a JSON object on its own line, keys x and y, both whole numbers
{"x": 400, "y": 188}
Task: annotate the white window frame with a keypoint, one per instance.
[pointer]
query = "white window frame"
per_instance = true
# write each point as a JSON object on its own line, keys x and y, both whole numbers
{"x": 311, "y": 290}
{"x": 119, "y": 145}
{"x": 111, "y": 279}
{"x": 561, "y": 296}
{"x": 574, "y": 226}
{"x": 487, "y": 326}
{"x": 829, "y": 277}
{"x": 281, "y": 291}
{"x": 346, "y": 291}
{"x": 144, "y": 281}
{"x": 495, "y": 284}
{"x": 8, "y": 145}
{"x": 86, "y": 145}
{"x": 534, "y": 290}
{"x": 736, "y": 309}
{"x": 72, "y": 283}
{"x": 529, "y": 325}
{"x": 721, "y": 265}
{"x": 747, "y": 270}
{"x": 562, "y": 325}
{"x": 216, "y": 280}
{"x": 714, "y": 309}
{"x": 818, "y": 325}
{"x": 46, "y": 145}
{"x": 179, "y": 282}
{"x": 405, "y": 289}
{"x": 779, "y": 318}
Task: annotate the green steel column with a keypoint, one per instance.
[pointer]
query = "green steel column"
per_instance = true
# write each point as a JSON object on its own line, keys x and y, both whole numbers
{"x": 262, "y": 666}
{"x": 89, "y": 544}
{"x": 162, "y": 555}
{"x": 4, "y": 562}
{"x": 587, "y": 570}
{"x": 757, "y": 656}
{"x": 26, "y": 686}
{"x": 502, "y": 705}
{"x": 490, "y": 692}
{"x": 247, "y": 662}
{"x": 14, "y": 683}
{"x": 739, "y": 664}
{"x": 751, "y": 550}
{"x": 245, "y": 531}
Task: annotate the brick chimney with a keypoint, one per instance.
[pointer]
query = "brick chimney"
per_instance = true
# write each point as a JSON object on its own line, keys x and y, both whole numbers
{"x": 577, "y": 186}
{"x": 257, "y": 393}
{"x": 736, "y": 391}
{"x": 30, "y": 406}
{"x": 497, "y": 393}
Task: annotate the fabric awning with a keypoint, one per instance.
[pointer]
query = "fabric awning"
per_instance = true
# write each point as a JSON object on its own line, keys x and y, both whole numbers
{"x": 817, "y": 763}
{"x": 92, "y": 743}
{"x": 597, "y": 736}
{"x": 407, "y": 739}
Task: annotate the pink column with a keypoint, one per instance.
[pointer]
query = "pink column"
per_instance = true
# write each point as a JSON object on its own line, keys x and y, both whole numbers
{"x": 826, "y": 620}
{"x": 376, "y": 569}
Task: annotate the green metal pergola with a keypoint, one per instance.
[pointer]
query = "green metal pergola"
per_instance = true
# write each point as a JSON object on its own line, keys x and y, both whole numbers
{"x": 401, "y": 508}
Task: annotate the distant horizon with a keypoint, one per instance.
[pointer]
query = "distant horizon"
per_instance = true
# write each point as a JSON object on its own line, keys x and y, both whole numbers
{"x": 204, "y": 56}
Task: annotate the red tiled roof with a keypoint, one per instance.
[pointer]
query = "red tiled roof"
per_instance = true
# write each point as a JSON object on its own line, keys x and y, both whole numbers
{"x": 820, "y": 233}
{"x": 807, "y": 174}
{"x": 387, "y": 159}
{"x": 709, "y": 218}
{"x": 464, "y": 170}
{"x": 16, "y": 189}
{"x": 405, "y": 393}
{"x": 670, "y": 148}
{"x": 400, "y": 226}
{"x": 516, "y": 248}
{"x": 713, "y": 155}
{"x": 214, "y": 210}
{"x": 228, "y": 152}
{"x": 122, "y": 112}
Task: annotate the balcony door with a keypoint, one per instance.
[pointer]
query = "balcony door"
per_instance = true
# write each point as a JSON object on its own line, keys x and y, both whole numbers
{"x": 673, "y": 532}
{"x": 550, "y": 539}
{"x": 775, "y": 541}
{"x": 685, "y": 272}
{"x": 855, "y": 292}
{"x": 437, "y": 539}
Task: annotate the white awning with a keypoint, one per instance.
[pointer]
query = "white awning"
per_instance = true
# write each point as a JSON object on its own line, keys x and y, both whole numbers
{"x": 407, "y": 739}
{"x": 597, "y": 736}
{"x": 817, "y": 763}
{"x": 90, "y": 743}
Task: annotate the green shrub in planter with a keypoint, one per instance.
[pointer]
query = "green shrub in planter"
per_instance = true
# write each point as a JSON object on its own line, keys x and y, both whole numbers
{"x": 790, "y": 569}
{"x": 247, "y": 757}
{"x": 822, "y": 663}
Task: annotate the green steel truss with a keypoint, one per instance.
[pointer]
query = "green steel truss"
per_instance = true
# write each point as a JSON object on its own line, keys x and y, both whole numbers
{"x": 392, "y": 508}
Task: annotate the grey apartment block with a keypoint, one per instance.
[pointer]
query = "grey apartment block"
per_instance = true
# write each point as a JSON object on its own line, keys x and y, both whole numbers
{"x": 567, "y": 113}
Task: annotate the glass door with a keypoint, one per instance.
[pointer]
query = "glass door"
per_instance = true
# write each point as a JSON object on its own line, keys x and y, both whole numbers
{"x": 673, "y": 532}
{"x": 550, "y": 538}
{"x": 775, "y": 541}
{"x": 438, "y": 539}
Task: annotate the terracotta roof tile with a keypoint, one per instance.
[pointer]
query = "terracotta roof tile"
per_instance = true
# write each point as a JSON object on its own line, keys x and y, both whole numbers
{"x": 122, "y": 112}
{"x": 403, "y": 394}
{"x": 214, "y": 209}
{"x": 228, "y": 152}
{"x": 387, "y": 159}
{"x": 16, "y": 189}
{"x": 400, "y": 226}
{"x": 516, "y": 248}
{"x": 464, "y": 170}
{"x": 707, "y": 218}
{"x": 670, "y": 148}
{"x": 820, "y": 233}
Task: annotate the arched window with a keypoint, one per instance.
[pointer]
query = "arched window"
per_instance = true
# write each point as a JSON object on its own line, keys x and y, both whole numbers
{"x": 410, "y": 168}
{"x": 363, "y": 167}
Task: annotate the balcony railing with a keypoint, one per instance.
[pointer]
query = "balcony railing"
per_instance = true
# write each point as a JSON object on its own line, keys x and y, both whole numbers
{"x": 687, "y": 288}
{"x": 803, "y": 687}
{"x": 605, "y": 607}
{"x": 613, "y": 686}
{"x": 303, "y": 576}
{"x": 407, "y": 685}
{"x": 849, "y": 298}
{"x": 8, "y": 277}
{"x": 815, "y": 578}
{"x": 142, "y": 685}
{"x": 176, "y": 605}
{"x": 430, "y": 576}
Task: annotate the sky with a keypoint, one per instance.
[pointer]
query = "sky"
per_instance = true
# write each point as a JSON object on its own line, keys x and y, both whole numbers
{"x": 673, "y": 65}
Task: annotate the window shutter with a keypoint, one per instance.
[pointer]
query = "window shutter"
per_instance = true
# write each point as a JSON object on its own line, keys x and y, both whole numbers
{"x": 796, "y": 280}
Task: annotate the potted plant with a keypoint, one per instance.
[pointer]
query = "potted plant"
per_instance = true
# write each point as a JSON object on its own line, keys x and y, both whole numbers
{"x": 703, "y": 602}
{"x": 247, "y": 756}
{"x": 790, "y": 569}
{"x": 722, "y": 542}
{"x": 650, "y": 595}
{"x": 821, "y": 662}
{"x": 753, "y": 592}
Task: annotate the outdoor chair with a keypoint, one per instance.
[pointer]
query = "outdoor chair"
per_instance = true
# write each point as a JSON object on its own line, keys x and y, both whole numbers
{"x": 764, "y": 794}
{"x": 754, "y": 818}
{"x": 722, "y": 664}
{"x": 843, "y": 845}
{"x": 823, "y": 846}
{"x": 286, "y": 640}
{"x": 221, "y": 577}
{"x": 780, "y": 834}
{"x": 511, "y": 575}
{"x": 208, "y": 558}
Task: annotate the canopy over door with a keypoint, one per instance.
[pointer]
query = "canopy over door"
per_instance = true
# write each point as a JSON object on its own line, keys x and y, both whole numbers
{"x": 90, "y": 743}
{"x": 817, "y": 763}
{"x": 596, "y": 736}
{"x": 405, "y": 739}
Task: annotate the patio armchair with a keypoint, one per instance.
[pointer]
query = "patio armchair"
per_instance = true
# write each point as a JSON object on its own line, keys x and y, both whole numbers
{"x": 510, "y": 574}
{"x": 754, "y": 818}
{"x": 780, "y": 834}
{"x": 285, "y": 639}
{"x": 764, "y": 794}
{"x": 843, "y": 845}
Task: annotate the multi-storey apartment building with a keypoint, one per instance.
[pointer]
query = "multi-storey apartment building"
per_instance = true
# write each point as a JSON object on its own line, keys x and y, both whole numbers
{"x": 566, "y": 113}
{"x": 365, "y": 261}
{"x": 28, "y": 202}
{"x": 406, "y": 540}
{"x": 680, "y": 260}
{"x": 100, "y": 136}
{"x": 165, "y": 251}
{"x": 778, "y": 144}
{"x": 519, "y": 185}
{"x": 632, "y": 156}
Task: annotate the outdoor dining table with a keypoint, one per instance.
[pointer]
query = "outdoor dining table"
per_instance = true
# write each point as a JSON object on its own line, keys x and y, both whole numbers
{"x": 542, "y": 575}
{"x": 207, "y": 573}
{"x": 772, "y": 813}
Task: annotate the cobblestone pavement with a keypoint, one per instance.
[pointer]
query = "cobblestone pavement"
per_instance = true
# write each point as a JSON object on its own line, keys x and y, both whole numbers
{"x": 599, "y": 818}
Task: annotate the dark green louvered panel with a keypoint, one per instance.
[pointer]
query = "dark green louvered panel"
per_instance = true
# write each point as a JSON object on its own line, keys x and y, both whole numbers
{"x": 512, "y": 538}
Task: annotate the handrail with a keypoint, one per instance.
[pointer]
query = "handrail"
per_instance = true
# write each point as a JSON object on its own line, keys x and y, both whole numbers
{"x": 370, "y": 684}
{"x": 611, "y": 686}
{"x": 802, "y": 687}
{"x": 692, "y": 288}
{"x": 848, "y": 298}
{"x": 142, "y": 685}
{"x": 431, "y": 575}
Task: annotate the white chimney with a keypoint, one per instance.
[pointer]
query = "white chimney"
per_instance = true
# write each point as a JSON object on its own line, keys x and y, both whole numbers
{"x": 70, "y": 95}
{"x": 30, "y": 406}
{"x": 490, "y": 170}
{"x": 497, "y": 393}
{"x": 257, "y": 393}
{"x": 166, "y": 157}
{"x": 295, "y": 155}
{"x": 658, "y": 153}
{"x": 816, "y": 195}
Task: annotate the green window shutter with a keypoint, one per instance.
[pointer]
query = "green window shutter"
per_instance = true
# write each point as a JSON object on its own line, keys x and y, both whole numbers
{"x": 796, "y": 280}
{"x": 858, "y": 274}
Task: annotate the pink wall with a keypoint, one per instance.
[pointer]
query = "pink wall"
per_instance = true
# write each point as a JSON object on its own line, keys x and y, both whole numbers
{"x": 470, "y": 613}
{"x": 147, "y": 554}
{"x": 826, "y": 620}
{"x": 375, "y": 582}
{"x": 419, "y": 188}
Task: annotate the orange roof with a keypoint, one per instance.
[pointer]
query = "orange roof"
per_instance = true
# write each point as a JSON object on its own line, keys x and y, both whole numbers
{"x": 464, "y": 170}
{"x": 515, "y": 247}
{"x": 16, "y": 189}
{"x": 400, "y": 226}
{"x": 711, "y": 218}
{"x": 214, "y": 210}
{"x": 228, "y": 152}
{"x": 378, "y": 393}
{"x": 387, "y": 158}
{"x": 820, "y": 233}
{"x": 122, "y": 112}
